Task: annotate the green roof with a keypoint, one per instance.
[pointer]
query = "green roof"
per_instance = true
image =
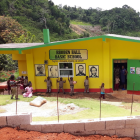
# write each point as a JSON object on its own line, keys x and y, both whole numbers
{"x": 26, "y": 46}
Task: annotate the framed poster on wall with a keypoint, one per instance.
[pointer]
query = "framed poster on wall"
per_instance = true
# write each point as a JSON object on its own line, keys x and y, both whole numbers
{"x": 80, "y": 69}
{"x": 138, "y": 70}
{"x": 132, "y": 70}
{"x": 53, "y": 71}
{"x": 40, "y": 70}
{"x": 94, "y": 71}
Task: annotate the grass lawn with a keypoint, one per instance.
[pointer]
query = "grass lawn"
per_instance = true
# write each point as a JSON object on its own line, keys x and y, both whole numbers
{"x": 76, "y": 22}
{"x": 91, "y": 113}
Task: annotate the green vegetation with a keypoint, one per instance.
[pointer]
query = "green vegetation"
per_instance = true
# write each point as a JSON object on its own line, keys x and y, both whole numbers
{"x": 124, "y": 21}
{"x": 76, "y": 22}
{"x": 4, "y": 75}
{"x": 91, "y": 113}
{"x": 34, "y": 16}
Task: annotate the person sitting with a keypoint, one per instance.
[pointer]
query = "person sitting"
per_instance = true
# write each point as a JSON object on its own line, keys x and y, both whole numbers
{"x": 28, "y": 90}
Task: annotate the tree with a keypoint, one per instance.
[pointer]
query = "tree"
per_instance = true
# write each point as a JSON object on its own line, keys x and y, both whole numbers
{"x": 9, "y": 28}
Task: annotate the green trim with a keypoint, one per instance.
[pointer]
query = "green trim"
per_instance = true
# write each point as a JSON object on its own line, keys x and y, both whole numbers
{"x": 46, "y": 36}
{"x": 20, "y": 51}
{"x": 63, "y": 42}
{"x": 103, "y": 37}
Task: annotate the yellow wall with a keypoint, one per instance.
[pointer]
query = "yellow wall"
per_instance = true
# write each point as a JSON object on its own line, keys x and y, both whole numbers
{"x": 19, "y": 57}
{"x": 99, "y": 53}
{"x": 123, "y": 50}
{"x": 22, "y": 66}
{"x": 9, "y": 52}
{"x": 95, "y": 57}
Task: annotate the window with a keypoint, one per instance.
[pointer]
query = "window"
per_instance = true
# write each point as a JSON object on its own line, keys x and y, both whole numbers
{"x": 65, "y": 69}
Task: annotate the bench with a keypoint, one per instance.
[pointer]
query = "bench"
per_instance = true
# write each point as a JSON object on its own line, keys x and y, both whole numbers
{"x": 3, "y": 86}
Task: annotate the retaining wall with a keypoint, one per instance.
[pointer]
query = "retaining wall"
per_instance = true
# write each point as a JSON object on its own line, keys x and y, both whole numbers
{"x": 121, "y": 126}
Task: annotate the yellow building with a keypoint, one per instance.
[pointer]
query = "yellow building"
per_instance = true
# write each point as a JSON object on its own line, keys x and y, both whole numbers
{"x": 94, "y": 57}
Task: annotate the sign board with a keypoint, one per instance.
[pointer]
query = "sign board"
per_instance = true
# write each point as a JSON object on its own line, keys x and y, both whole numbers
{"x": 24, "y": 72}
{"x": 68, "y": 54}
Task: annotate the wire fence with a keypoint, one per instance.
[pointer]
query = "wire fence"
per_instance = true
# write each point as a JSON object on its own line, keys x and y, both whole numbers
{"x": 98, "y": 110}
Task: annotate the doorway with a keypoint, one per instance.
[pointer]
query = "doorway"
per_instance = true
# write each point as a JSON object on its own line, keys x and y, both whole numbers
{"x": 117, "y": 67}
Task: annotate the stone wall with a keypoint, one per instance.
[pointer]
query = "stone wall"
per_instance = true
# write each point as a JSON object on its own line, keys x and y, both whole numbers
{"x": 122, "y": 126}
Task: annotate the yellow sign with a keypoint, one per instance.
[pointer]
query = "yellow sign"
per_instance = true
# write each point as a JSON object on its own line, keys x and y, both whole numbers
{"x": 68, "y": 54}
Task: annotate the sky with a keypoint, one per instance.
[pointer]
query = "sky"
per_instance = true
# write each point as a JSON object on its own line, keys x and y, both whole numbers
{"x": 103, "y": 4}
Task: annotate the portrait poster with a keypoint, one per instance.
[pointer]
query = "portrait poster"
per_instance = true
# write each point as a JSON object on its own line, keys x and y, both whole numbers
{"x": 94, "y": 71}
{"x": 80, "y": 69}
{"x": 138, "y": 70}
{"x": 132, "y": 70}
{"x": 53, "y": 71}
{"x": 40, "y": 70}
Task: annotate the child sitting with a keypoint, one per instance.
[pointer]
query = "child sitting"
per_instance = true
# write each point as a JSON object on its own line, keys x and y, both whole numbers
{"x": 49, "y": 84}
{"x": 117, "y": 81}
{"x": 86, "y": 84}
{"x": 71, "y": 85}
{"x": 61, "y": 84}
{"x": 102, "y": 91}
{"x": 28, "y": 90}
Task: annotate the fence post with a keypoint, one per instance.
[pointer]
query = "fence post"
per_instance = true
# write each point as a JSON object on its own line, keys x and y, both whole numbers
{"x": 100, "y": 103}
{"x": 132, "y": 99}
{"x": 16, "y": 99}
{"x": 57, "y": 107}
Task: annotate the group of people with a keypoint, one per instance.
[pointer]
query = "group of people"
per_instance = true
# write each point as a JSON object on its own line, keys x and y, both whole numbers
{"x": 72, "y": 82}
{"x": 120, "y": 77}
{"x": 25, "y": 86}
{"x": 61, "y": 82}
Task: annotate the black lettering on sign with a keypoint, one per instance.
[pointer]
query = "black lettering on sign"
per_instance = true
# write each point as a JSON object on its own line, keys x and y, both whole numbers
{"x": 60, "y": 56}
{"x": 76, "y": 52}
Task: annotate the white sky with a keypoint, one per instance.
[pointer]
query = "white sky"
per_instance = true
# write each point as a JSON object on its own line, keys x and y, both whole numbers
{"x": 104, "y": 4}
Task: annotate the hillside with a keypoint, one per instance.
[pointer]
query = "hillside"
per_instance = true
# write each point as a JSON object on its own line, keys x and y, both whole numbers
{"x": 82, "y": 29}
{"x": 36, "y": 15}
{"x": 68, "y": 22}
{"x": 124, "y": 21}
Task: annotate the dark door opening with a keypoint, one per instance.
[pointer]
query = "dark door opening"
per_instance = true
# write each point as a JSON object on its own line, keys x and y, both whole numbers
{"x": 117, "y": 68}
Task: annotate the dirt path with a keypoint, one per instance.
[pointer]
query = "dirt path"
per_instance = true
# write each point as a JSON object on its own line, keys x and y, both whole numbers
{"x": 46, "y": 110}
{"x": 15, "y": 134}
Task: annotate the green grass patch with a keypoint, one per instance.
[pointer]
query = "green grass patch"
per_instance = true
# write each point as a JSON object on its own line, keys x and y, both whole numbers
{"x": 76, "y": 22}
{"x": 92, "y": 112}
{"x": 6, "y": 99}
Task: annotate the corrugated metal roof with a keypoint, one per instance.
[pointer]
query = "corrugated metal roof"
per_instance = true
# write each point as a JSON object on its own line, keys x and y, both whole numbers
{"x": 25, "y": 46}
{"x": 122, "y": 36}
{"x": 19, "y": 45}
